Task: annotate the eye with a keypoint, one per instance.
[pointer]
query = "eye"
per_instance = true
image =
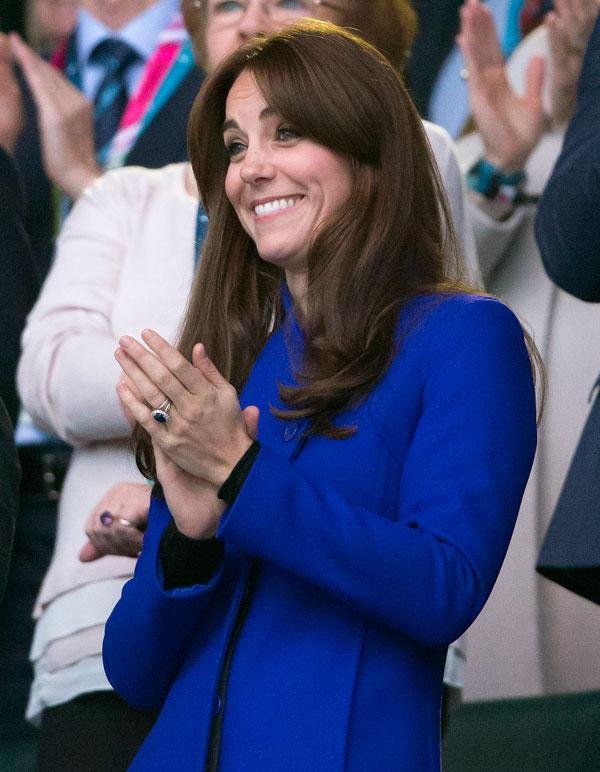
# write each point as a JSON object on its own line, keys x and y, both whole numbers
{"x": 227, "y": 6}
{"x": 287, "y": 134}
{"x": 234, "y": 148}
{"x": 292, "y": 5}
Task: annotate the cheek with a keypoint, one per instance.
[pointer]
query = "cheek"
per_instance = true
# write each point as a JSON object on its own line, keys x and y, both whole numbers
{"x": 338, "y": 183}
{"x": 233, "y": 187}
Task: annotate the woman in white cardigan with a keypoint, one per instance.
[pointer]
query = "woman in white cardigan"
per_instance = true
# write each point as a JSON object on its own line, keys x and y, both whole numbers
{"x": 533, "y": 637}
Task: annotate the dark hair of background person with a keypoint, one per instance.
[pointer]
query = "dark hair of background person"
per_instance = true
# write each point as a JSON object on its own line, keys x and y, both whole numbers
{"x": 394, "y": 238}
{"x": 389, "y": 25}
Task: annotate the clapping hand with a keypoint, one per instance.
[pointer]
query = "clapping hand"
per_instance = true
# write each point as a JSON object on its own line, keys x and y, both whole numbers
{"x": 206, "y": 433}
{"x": 117, "y": 523}
{"x": 510, "y": 125}
{"x": 65, "y": 119}
{"x": 569, "y": 26}
{"x": 11, "y": 108}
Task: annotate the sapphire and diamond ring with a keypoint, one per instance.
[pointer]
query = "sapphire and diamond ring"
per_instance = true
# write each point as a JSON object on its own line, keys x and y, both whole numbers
{"x": 161, "y": 413}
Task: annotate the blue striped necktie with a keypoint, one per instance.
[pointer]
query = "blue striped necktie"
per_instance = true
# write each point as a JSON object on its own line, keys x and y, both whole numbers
{"x": 111, "y": 99}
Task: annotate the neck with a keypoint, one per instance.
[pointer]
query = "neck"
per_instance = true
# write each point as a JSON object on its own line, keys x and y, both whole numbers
{"x": 116, "y": 13}
{"x": 296, "y": 283}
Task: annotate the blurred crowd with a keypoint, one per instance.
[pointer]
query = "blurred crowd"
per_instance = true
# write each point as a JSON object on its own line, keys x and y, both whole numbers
{"x": 101, "y": 230}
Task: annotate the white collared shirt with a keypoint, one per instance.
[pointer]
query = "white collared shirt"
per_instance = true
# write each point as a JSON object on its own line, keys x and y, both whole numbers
{"x": 141, "y": 33}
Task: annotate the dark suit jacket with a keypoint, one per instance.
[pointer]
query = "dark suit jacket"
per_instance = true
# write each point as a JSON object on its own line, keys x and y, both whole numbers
{"x": 19, "y": 279}
{"x": 567, "y": 225}
{"x": 163, "y": 142}
{"x": 9, "y": 493}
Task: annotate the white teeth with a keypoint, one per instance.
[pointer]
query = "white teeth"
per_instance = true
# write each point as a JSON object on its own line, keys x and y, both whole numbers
{"x": 274, "y": 206}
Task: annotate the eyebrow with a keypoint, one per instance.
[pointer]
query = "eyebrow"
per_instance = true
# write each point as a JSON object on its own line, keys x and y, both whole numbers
{"x": 265, "y": 113}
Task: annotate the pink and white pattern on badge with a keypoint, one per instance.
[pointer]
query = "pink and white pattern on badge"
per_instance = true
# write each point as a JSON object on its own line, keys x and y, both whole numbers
{"x": 165, "y": 69}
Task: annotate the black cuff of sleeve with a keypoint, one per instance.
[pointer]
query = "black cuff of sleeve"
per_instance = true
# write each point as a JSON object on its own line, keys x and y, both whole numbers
{"x": 228, "y": 492}
{"x": 188, "y": 561}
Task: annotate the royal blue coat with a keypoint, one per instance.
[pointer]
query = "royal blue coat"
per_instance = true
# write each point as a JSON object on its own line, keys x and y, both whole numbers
{"x": 372, "y": 554}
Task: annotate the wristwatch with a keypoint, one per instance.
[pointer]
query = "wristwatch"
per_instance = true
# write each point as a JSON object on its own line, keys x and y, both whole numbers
{"x": 486, "y": 179}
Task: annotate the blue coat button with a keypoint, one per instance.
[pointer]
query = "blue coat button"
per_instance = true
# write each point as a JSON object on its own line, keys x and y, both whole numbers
{"x": 290, "y": 431}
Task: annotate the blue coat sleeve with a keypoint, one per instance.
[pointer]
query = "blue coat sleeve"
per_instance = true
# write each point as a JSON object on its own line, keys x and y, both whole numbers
{"x": 427, "y": 570}
{"x": 148, "y": 633}
{"x": 567, "y": 226}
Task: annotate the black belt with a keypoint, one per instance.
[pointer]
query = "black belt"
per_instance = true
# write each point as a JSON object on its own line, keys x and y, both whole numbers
{"x": 43, "y": 468}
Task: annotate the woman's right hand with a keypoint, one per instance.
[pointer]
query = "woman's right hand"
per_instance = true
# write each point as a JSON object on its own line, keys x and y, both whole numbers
{"x": 510, "y": 125}
{"x": 192, "y": 501}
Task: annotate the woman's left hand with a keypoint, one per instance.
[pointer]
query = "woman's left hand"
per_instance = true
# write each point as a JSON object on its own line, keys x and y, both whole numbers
{"x": 206, "y": 433}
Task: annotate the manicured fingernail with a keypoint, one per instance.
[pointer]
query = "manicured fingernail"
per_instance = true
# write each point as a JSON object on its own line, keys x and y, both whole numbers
{"x": 125, "y": 341}
{"x": 106, "y": 518}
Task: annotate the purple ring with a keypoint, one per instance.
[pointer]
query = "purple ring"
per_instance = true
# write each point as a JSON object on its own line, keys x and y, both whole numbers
{"x": 106, "y": 518}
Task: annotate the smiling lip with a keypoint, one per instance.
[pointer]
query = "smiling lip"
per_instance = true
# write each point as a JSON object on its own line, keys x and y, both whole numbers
{"x": 272, "y": 206}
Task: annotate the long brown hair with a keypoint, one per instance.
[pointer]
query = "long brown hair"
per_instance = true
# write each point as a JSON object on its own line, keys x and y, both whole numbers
{"x": 387, "y": 244}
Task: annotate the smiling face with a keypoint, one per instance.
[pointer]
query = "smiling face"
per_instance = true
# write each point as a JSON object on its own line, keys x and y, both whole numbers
{"x": 281, "y": 185}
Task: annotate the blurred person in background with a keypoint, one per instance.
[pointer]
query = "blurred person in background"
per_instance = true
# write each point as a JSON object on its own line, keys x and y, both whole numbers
{"x": 568, "y": 237}
{"x": 449, "y": 102}
{"x": 567, "y": 230}
{"x": 120, "y": 230}
{"x": 524, "y": 642}
{"x": 120, "y": 84}
{"x": 18, "y": 275}
{"x": 18, "y": 280}
{"x": 128, "y": 80}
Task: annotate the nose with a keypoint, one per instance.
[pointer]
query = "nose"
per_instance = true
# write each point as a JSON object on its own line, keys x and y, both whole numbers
{"x": 255, "y": 21}
{"x": 256, "y": 167}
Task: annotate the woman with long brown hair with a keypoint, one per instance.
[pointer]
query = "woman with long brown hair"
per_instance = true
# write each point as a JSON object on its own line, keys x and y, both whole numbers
{"x": 310, "y": 557}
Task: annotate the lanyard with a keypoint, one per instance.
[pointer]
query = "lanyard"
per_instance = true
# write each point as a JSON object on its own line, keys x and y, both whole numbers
{"x": 167, "y": 68}
{"x": 171, "y": 62}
